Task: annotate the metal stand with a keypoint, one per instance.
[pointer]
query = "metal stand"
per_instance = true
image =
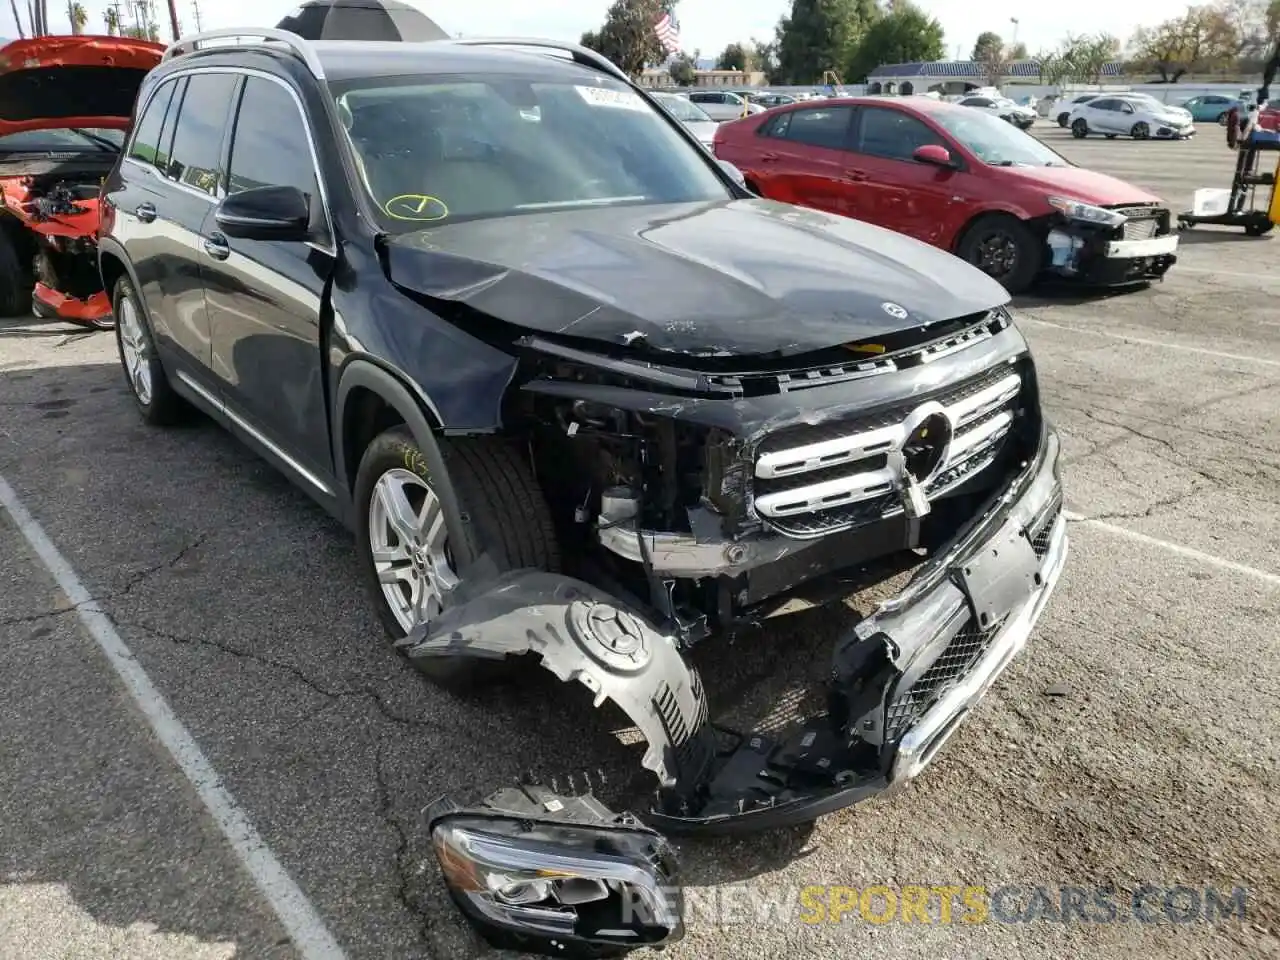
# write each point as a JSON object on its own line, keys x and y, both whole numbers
{"x": 1243, "y": 209}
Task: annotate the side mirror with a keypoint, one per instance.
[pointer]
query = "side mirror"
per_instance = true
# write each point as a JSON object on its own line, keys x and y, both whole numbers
{"x": 934, "y": 154}
{"x": 555, "y": 875}
{"x": 265, "y": 213}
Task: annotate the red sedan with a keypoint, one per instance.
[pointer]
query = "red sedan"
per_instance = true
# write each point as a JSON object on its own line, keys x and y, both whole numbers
{"x": 956, "y": 178}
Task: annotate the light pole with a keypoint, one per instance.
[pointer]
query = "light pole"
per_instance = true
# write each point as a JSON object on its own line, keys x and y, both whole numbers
{"x": 1014, "y": 21}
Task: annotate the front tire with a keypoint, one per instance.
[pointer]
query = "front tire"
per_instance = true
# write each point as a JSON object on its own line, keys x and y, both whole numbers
{"x": 404, "y": 533}
{"x": 1080, "y": 129}
{"x": 1005, "y": 249}
{"x": 148, "y": 384}
{"x": 1140, "y": 131}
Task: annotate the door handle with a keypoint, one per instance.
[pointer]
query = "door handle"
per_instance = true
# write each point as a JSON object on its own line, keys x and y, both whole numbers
{"x": 146, "y": 212}
{"x": 855, "y": 176}
{"x": 770, "y": 157}
{"x": 217, "y": 247}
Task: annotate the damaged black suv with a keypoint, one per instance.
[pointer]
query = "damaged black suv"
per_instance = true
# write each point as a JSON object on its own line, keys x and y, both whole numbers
{"x": 580, "y": 394}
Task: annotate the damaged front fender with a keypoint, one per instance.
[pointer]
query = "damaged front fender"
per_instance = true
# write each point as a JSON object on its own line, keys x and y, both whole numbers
{"x": 583, "y": 634}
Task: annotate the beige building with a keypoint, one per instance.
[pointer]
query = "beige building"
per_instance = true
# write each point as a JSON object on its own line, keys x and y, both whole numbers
{"x": 657, "y": 77}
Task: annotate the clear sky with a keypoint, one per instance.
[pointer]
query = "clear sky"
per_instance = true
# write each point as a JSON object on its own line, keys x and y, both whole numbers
{"x": 707, "y": 25}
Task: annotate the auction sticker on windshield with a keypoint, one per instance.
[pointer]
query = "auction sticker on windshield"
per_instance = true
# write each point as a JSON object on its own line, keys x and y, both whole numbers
{"x": 604, "y": 97}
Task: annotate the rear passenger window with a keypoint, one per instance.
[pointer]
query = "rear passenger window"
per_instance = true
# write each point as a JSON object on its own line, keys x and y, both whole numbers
{"x": 270, "y": 146}
{"x": 170, "y": 121}
{"x": 820, "y": 127}
{"x": 197, "y": 140}
{"x": 146, "y": 141}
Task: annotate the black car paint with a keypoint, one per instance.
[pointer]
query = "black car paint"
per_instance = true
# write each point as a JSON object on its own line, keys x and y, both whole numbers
{"x": 455, "y": 379}
{"x": 803, "y": 280}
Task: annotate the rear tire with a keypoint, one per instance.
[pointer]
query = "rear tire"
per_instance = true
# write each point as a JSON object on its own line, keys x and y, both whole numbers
{"x": 143, "y": 374}
{"x": 1062, "y": 120}
{"x": 1223, "y": 118}
{"x": 16, "y": 277}
{"x": 494, "y": 488}
{"x": 1080, "y": 129}
{"x": 1005, "y": 249}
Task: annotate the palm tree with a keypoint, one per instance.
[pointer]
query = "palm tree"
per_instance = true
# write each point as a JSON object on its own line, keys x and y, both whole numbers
{"x": 112, "y": 20}
{"x": 79, "y": 18}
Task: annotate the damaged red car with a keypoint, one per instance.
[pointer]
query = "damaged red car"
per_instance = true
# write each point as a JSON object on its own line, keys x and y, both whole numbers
{"x": 65, "y": 102}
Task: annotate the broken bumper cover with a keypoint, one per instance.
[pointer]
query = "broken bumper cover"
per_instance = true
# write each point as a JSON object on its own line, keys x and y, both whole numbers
{"x": 1085, "y": 253}
{"x": 998, "y": 578}
{"x": 903, "y": 678}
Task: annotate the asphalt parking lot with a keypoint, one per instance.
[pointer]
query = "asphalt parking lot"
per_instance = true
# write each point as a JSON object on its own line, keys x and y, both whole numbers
{"x": 1135, "y": 742}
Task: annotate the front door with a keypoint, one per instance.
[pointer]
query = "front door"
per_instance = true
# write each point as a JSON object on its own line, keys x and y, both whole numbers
{"x": 264, "y": 297}
{"x": 896, "y": 190}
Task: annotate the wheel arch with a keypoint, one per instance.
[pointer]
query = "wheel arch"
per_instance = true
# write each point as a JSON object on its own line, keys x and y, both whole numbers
{"x": 370, "y": 398}
{"x": 1038, "y": 224}
{"x": 113, "y": 263}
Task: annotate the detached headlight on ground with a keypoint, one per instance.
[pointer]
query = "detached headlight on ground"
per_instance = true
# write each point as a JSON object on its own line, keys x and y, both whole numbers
{"x": 1086, "y": 212}
{"x": 558, "y": 875}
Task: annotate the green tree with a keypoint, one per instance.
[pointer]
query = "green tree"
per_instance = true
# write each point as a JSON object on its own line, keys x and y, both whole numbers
{"x": 111, "y": 20}
{"x": 986, "y": 43}
{"x": 904, "y": 34}
{"x": 1017, "y": 51}
{"x": 79, "y": 18}
{"x": 739, "y": 56}
{"x": 1201, "y": 38}
{"x": 820, "y": 35}
{"x": 627, "y": 37}
{"x": 682, "y": 70}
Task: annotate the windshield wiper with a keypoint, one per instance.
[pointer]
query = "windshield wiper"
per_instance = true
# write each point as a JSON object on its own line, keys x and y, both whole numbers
{"x": 102, "y": 143}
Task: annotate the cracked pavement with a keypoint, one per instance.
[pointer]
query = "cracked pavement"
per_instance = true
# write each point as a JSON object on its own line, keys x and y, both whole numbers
{"x": 1154, "y": 759}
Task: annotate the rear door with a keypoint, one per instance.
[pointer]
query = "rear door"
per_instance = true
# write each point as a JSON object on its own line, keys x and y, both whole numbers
{"x": 895, "y": 189}
{"x": 264, "y": 297}
{"x": 801, "y": 156}
{"x": 191, "y": 185}
{"x": 137, "y": 197}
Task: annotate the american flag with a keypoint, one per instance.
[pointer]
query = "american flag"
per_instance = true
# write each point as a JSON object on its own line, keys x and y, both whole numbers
{"x": 668, "y": 31}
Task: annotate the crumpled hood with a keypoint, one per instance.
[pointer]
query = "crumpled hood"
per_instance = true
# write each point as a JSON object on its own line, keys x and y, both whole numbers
{"x": 730, "y": 278}
{"x": 50, "y": 83}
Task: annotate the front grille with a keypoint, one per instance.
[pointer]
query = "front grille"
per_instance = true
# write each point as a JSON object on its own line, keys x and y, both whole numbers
{"x": 814, "y": 480}
{"x": 967, "y": 647}
{"x": 1145, "y": 221}
{"x": 1041, "y": 528}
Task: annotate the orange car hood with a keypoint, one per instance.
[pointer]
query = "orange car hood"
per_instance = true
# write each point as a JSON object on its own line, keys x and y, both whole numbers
{"x": 47, "y": 83}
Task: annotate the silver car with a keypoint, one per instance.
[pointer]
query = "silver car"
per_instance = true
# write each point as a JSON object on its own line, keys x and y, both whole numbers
{"x": 1120, "y": 116}
{"x": 690, "y": 114}
{"x": 722, "y": 105}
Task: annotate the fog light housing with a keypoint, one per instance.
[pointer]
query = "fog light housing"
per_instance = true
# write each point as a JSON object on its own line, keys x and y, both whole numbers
{"x": 560, "y": 876}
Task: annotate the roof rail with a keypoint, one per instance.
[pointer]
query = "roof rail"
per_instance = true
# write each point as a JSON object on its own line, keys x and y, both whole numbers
{"x": 296, "y": 44}
{"x": 580, "y": 54}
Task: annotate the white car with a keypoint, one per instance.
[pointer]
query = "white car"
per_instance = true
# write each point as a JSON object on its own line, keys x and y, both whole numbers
{"x": 721, "y": 105}
{"x": 1002, "y": 107}
{"x": 1134, "y": 117}
{"x": 690, "y": 114}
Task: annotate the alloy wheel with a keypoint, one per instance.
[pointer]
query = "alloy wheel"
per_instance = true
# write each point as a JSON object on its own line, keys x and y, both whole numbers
{"x": 408, "y": 540}
{"x": 997, "y": 255}
{"x": 133, "y": 346}
{"x": 1141, "y": 131}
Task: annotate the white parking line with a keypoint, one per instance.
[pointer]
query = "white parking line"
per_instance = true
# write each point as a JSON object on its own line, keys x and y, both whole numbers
{"x": 1189, "y": 552}
{"x": 1094, "y": 332}
{"x": 299, "y": 917}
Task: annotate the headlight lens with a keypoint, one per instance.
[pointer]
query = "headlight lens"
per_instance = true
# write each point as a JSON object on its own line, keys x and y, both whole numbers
{"x": 603, "y": 885}
{"x": 1086, "y": 212}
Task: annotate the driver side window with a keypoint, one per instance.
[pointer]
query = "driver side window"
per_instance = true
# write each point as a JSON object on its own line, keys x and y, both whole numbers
{"x": 1126, "y": 107}
{"x": 892, "y": 134}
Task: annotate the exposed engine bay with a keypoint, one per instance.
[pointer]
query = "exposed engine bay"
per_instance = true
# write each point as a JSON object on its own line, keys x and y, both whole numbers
{"x": 60, "y": 216}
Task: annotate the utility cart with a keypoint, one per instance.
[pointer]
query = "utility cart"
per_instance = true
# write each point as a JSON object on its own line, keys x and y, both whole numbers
{"x": 1257, "y": 211}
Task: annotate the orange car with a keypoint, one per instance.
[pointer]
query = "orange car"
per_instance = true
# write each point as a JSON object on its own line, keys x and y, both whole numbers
{"x": 65, "y": 103}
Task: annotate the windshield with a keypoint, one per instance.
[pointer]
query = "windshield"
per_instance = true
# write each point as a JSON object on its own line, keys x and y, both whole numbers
{"x": 681, "y": 108}
{"x": 434, "y": 149}
{"x": 996, "y": 142}
{"x": 62, "y": 140}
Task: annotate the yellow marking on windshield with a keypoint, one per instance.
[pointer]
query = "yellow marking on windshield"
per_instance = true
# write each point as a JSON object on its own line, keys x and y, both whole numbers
{"x": 419, "y": 207}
